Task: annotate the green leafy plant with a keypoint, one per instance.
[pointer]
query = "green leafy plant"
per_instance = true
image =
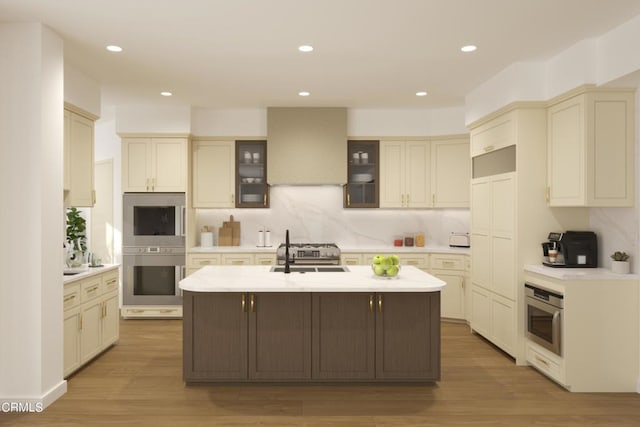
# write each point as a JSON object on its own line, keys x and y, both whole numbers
{"x": 619, "y": 256}
{"x": 76, "y": 229}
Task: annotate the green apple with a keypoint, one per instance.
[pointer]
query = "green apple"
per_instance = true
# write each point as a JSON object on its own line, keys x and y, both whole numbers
{"x": 395, "y": 260}
{"x": 392, "y": 271}
{"x": 378, "y": 259}
{"x": 378, "y": 270}
{"x": 386, "y": 262}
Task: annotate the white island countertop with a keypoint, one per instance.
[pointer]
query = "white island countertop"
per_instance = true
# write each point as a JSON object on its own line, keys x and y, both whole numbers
{"x": 259, "y": 278}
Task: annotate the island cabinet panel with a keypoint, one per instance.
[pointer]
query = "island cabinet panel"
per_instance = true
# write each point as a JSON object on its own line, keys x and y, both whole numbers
{"x": 343, "y": 336}
{"x": 280, "y": 336}
{"x": 215, "y": 346}
{"x": 408, "y": 336}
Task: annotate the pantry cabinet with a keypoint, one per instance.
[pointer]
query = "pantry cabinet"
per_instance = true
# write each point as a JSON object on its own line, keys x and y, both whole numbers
{"x": 78, "y": 158}
{"x": 91, "y": 318}
{"x": 154, "y": 164}
{"x": 213, "y": 174}
{"x": 591, "y": 148}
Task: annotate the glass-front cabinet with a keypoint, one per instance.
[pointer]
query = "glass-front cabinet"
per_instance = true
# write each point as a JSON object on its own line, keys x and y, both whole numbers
{"x": 252, "y": 190}
{"x": 361, "y": 189}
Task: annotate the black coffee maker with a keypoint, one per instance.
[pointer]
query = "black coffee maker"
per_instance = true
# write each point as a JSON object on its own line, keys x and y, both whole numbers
{"x": 574, "y": 249}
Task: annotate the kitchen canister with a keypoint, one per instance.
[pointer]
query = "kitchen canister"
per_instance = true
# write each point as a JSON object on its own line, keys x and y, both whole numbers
{"x": 206, "y": 239}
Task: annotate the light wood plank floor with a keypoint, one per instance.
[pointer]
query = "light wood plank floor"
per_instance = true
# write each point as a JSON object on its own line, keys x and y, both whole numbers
{"x": 139, "y": 382}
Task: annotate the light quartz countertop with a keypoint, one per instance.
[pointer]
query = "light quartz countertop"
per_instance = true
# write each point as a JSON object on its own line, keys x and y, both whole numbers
{"x": 343, "y": 249}
{"x": 258, "y": 278}
{"x": 90, "y": 271}
{"x": 577, "y": 274}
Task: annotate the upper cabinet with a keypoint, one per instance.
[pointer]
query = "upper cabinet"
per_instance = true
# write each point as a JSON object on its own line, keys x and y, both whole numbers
{"x": 154, "y": 164}
{"x": 425, "y": 173}
{"x": 78, "y": 158}
{"x": 251, "y": 174}
{"x": 591, "y": 148}
{"x": 361, "y": 189}
{"x": 213, "y": 174}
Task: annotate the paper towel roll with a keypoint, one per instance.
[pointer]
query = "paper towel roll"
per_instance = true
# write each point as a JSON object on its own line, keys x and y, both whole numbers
{"x": 206, "y": 239}
{"x": 260, "y": 238}
{"x": 267, "y": 238}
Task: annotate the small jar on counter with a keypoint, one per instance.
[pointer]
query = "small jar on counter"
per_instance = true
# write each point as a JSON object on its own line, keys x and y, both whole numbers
{"x": 420, "y": 239}
{"x": 408, "y": 240}
{"x": 397, "y": 241}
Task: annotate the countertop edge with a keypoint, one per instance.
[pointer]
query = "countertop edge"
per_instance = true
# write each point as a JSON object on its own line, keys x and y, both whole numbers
{"x": 579, "y": 274}
{"x": 91, "y": 271}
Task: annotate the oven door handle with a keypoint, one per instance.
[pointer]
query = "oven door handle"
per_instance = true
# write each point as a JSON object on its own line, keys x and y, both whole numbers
{"x": 556, "y": 322}
{"x": 180, "y": 274}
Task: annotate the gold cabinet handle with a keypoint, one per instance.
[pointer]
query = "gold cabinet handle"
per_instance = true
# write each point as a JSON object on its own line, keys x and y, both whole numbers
{"x": 167, "y": 310}
{"x": 379, "y": 303}
{"x": 407, "y": 200}
{"x": 541, "y": 360}
{"x": 433, "y": 200}
{"x": 348, "y": 199}
{"x": 153, "y": 184}
{"x": 402, "y": 200}
{"x": 93, "y": 289}
{"x": 93, "y": 196}
{"x": 252, "y": 303}
{"x": 80, "y": 321}
{"x": 69, "y": 298}
{"x": 136, "y": 310}
{"x": 264, "y": 203}
{"x": 370, "y": 303}
{"x": 243, "y": 303}
{"x": 233, "y": 199}
{"x": 548, "y": 194}
{"x": 489, "y": 148}
{"x": 237, "y": 262}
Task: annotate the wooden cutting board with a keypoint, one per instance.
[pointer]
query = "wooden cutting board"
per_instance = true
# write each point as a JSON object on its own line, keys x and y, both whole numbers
{"x": 229, "y": 234}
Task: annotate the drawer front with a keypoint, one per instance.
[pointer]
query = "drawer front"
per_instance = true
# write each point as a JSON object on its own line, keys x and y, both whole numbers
{"x": 237, "y": 259}
{"x": 151, "y": 312}
{"x": 544, "y": 363}
{"x": 71, "y": 296}
{"x": 448, "y": 262}
{"x": 350, "y": 259}
{"x": 110, "y": 282}
{"x": 197, "y": 261}
{"x": 265, "y": 259}
{"x": 90, "y": 288}
{"x": 420, "y": 261}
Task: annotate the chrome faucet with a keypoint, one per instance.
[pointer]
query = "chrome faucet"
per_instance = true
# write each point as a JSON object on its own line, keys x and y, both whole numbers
{"x": 287, "y": 261}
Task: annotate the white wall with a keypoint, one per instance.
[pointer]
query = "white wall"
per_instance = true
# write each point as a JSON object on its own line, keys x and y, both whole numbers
{"x": 229, "y": 122}
{"x": 81, "y": 90}
{"x": 153, "y": 119}
{"x": 31, "y": 137}
{"x": 405, "y": 122}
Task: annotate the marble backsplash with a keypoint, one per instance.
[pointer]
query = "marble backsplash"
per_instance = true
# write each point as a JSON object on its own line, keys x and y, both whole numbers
{"x": 315, "y": 214}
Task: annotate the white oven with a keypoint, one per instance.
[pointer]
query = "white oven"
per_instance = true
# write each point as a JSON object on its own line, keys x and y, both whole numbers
{"x": 544, "y": 317}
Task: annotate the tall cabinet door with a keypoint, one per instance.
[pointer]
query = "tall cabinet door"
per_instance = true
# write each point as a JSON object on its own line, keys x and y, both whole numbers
{"x": 408, "y": 355}
{"x": 343, "y": 336}
{"x": 392, "y": 175}
{"x": 450, "y": 173}
{"x": 213, "y": 174}
{"x": 502, "y": 236}
{"x": 418, "y": 174}
{"x": 280, "y": 336}
{"x": 136, "y": 164}
{"x": 169, "y": 164}
{"x": 91, "y": 329}
{"x": 80, "y": 161}
{"x": 481, "y": 196}
{"x": 110, "y": 319}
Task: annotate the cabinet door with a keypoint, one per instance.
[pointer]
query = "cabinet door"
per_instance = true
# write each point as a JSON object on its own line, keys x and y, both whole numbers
{"x": 80, "y": 162}
{"x": 343, "y": 336}
{"x": 214, "y": 348}
{"x": 503, "y": 274}
{"x": 169, "y": 165}
{"x": 450, "y": 173}
{"x": 280, "y": 336}
{"x": 503, "y": 324}
{"x": 136, "y": 165}
{"x": 213, "y": 174}
{"x": 413, "y": 354}
{"x": 452, "y": 302}
{"x": 91, "y": 329}
{"x": 361, "y": 190}
{"x": 251, "y": 187}
{"x": 67, "y": 150}
{"x": 481, "y": 310}
{"x": 392, "y": 174}
{"x": 418, "y": 174}
{"x": 72, "y": 358}
{"x": 110, "y": 320}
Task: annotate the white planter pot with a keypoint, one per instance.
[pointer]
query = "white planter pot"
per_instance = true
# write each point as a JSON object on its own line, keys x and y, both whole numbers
{"x": 620, "y": 267}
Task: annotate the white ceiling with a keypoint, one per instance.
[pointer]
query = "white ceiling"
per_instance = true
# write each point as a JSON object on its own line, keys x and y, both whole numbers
{"x": 368, "y": 53}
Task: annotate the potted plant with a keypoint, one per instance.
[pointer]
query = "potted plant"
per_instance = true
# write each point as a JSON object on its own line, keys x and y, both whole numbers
{"x": 76, "y": 243}
{"x": 620, "y": 263}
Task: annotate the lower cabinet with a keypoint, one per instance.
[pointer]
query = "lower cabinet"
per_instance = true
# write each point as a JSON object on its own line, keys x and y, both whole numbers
{"x": 494, "y": 317}
{"x": 91, "y": 318}
{"x": 311, "y": 337}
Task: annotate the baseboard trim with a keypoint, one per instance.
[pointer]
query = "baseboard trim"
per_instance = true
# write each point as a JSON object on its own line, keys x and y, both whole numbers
{"x": 31, "y": 404}
{"x": 54, "y": 393}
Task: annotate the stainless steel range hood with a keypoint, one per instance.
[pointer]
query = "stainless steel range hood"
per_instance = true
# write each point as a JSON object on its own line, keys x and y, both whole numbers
{"x": 306, "y": 145}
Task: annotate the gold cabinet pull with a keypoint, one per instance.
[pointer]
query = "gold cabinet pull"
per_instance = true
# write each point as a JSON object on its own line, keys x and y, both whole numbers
{"x": 252, "y": 303}
{"x": 233, "y": 199}
{"x": 407, "y": 200}
{"x": 370, "y": 303}
{"x": 541, "y": 360}
{"x": 237, "y": 262}
{"x": 69, "y": 298}
{"x": 379, "y": 303}
{"x": 243, "y": 303}
{"x": 402, "y": 200}
{"x": 93, "y": 196}
{"x": 348, "y": 199}
{"x": 167, "y": 310}
{"x": 489, "y": 148}
{"x": 548, "y": 194}
{"x": 433, "y": 200}
{"x": 80, "y": 321}
{"x": 264, "y": 203}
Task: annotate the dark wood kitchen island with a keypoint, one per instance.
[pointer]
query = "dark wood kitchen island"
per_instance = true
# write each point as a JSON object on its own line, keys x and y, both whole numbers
{"x": 248, "y": 324}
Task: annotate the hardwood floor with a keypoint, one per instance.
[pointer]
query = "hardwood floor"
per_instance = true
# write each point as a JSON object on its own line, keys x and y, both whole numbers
{"x": 139, "y": 382}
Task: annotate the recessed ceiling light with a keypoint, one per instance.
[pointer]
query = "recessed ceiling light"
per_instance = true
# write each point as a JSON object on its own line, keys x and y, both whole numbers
{"x": 469, "y": 48}
{"x": 114, "y": 48}
{"x": 304, "y": 93}
{"x": 305, "y": 48}
{"x": 166, "y": 93}
{"x": 421, "y": 93}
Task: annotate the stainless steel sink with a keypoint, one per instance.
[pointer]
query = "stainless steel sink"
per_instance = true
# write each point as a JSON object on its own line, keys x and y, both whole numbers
{"x": 312, "y": 269}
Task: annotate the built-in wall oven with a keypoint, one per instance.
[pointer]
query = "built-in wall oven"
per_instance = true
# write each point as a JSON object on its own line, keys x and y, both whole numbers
{"x": 153, "y": 248}
{"x": 544, "y": 317}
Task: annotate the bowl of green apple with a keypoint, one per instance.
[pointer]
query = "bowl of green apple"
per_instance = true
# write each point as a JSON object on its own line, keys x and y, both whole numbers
{"x": 386, "y": 267}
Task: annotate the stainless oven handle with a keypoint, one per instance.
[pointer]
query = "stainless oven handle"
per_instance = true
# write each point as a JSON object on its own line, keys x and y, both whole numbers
{"x": 179, "y": 276}
{"x": 183, "y": 220}
{"x": 555, "y": 331}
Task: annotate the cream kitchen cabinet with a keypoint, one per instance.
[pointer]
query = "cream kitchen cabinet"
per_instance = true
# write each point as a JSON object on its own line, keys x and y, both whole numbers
{"x": 154, "y": 164}
{"x": 451, "y": 269}
{"x": 213, "y": 174}
{"x": 591, "y": 148}
{"x": 450, "y": 172}
{"x": 237, "y": 259}
{"x": 196, "y": 261}
{"x": 78, "y": 158}
{"x": 265, "y": 259}
{"x": 91, "y": 318}
{"x": 405, "y": 174}
{"x": 351, "y": 259}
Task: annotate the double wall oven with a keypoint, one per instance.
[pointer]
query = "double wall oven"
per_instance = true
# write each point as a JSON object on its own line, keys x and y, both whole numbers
{"x": 153, "y": 248}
